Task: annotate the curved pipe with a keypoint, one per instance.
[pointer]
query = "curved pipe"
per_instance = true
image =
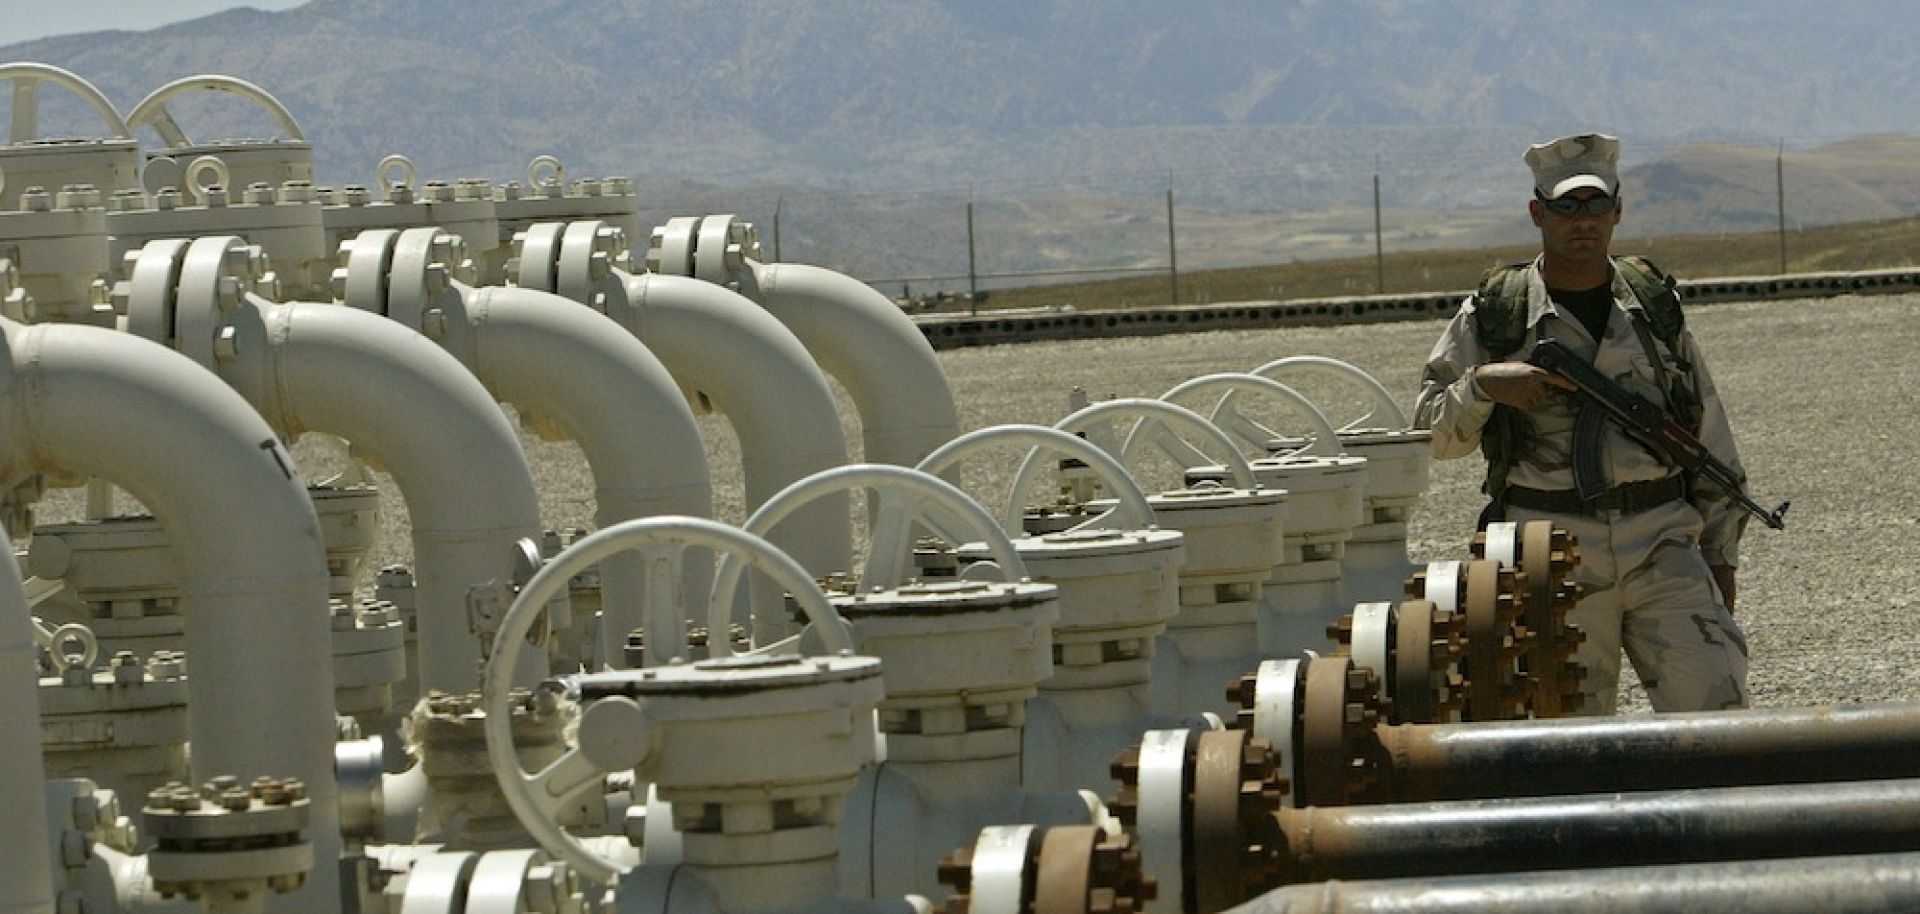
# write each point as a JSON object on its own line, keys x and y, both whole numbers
{"x": 883, "y": 360}
{"x": 417, "y": 413}
{"x": 765, "y": 382}
{"x": 254, "y": 584}
{"x": 28, "y": 888}
{"x": 609, "y": 394}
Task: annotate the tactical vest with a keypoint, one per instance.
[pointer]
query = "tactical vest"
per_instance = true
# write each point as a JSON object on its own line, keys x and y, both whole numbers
{"x": 1500, "y": 324}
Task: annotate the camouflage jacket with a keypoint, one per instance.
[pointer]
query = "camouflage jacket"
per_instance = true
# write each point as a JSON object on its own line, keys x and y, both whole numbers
{"x": 1456, "y": 409}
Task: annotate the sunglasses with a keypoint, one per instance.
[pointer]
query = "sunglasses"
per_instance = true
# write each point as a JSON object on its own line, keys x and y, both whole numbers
{"x": 1573, "y": 206}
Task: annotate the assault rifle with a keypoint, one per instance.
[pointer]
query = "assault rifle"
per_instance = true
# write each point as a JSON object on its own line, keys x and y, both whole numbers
{"x": 1647, "y": 423}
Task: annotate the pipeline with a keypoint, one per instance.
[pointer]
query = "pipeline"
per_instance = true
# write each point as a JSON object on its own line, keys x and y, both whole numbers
{"x": 24, "y": 845}
{"x": 1656, "y": 752}
{"x": 93, "y": 401}
{"x": 1862, "y": 884}
{"x": 1694, "y": 826}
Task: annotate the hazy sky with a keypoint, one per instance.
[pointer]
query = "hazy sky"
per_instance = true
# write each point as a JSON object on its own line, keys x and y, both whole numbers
{"x": 23, "y": 20}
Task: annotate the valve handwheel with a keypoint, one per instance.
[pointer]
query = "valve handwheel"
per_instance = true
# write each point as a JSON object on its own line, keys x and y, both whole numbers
{"x": 1384, "y": 411}
{"x": 1325, "y": 441}
{"x": 613, "y": 731}
{"x": 1170, "y": 427}
{"x": 1131, "y": 511}
{"x": 26, "y": 79}
{"x": 153, "y": 109}
{"x": 901, "y": 500}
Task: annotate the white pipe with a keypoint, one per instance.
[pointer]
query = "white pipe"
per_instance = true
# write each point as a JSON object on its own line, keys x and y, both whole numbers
{"x": 417, "y": 413}
{"x": 28, "y": 886}
{"x": 254, "y": 584}
{"x": 876, "y": 352}
{"x": 764, "y": 381}
{"x": 548, "y": 356}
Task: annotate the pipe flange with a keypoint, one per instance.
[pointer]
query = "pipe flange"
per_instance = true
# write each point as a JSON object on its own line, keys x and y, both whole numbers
{"x": 419, "y": 279}
{"x": 1269, "y": 699}
{"x": 1070, "y": 869}
{"x": 1493, "y": 601}
{"x": 670, "y": 247}
{"x": 1428, "y": 648}
{"x": 1236, "y": 844}
{"x": 365, "y": 262}
{"x": 1202, "y": 808}
{"x": 1548, "y": 556}
{"x": 1366, "y": 635}
{"x": 536, "y": 256}
{"x": 1341, "y": 753}
{"x": 228, "y": 839}
{"x": 148, "y": 294}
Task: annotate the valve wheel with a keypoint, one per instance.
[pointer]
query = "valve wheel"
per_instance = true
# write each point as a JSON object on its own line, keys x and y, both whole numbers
{"x": 1073, "y": 869}
{"x": 613, "y": 732}
{"x": 1130, "y": 513}
{"x": 1170, "y": 427}
{"x": 1325, "y": 441}
{"x": 902, "y": 499}
{"x": 153, "y": 109}
{"x": 1384, "y": 405}
{"x": 26, "y": 78}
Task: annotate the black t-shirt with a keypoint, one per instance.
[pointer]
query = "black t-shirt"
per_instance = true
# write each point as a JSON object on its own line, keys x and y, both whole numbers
{"x": 1592, "y": 306}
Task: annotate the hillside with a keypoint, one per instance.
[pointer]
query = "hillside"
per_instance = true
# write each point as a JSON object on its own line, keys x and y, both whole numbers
{"x": 869, "y": 122}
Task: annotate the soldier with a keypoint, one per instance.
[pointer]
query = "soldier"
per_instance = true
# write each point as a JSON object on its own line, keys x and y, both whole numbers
{"x": 1657, "y": 549}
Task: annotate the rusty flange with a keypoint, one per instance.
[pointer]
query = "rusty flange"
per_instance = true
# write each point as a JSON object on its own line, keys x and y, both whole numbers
{"x": 1229, "y": 841}
{"x": 1340, "y": 752}
{"x": 1490, "y": 599}
{"x": 1070, "y": 870}
{"x": 1424, "y": 646}
{"x": 1428, "y": 647}
{"x": 1547, "y": 556}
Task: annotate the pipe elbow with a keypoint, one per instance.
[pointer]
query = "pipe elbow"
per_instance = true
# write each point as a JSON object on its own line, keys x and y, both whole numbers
{"x": 414, "y": 410}
{"x": 886, "y": 364}
{"x": 548, "y": 356}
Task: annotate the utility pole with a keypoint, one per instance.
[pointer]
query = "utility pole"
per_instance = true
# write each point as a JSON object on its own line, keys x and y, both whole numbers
{"x": 777, "y": 203}
{"x": 973, "y": 275}
{"x": 1173, "y": 251}
{"x": 1780, "y": 195}
{"x": 1379, "y": 247}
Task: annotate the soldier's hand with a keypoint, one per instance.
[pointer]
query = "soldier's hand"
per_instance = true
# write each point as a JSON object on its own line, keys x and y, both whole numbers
{"x": 1723, "y": 579}
{"x": 1518, "y": 384}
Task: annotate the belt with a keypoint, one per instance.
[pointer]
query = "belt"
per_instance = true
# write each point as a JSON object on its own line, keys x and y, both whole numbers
{"x": 1627, "y": 498}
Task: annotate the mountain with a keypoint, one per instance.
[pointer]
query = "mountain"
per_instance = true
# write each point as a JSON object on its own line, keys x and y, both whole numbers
{"x": 1254, "y": 107}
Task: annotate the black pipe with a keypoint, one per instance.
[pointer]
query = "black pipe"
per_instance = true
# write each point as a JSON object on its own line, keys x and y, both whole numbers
{"x": 1867, "y": 884}
{"x": 1649, "y": 752}
{"x": 1512, "y": 835}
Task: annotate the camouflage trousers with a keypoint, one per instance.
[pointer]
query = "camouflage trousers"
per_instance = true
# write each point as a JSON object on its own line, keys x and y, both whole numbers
{"x": 1647, "y": 590}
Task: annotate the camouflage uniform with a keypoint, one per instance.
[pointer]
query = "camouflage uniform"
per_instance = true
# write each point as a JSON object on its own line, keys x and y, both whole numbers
{"x": 1646, "y": 578}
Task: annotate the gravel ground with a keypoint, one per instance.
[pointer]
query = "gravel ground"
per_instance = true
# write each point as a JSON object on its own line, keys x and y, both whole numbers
{"x": 1814, "y": 389}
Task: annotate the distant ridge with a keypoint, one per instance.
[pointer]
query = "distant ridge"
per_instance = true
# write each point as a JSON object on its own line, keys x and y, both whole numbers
{"x": 1293, "y": 102}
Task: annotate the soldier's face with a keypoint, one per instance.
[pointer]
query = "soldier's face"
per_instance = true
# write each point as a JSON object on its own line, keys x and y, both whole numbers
{"x": 1581, "y": 235}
